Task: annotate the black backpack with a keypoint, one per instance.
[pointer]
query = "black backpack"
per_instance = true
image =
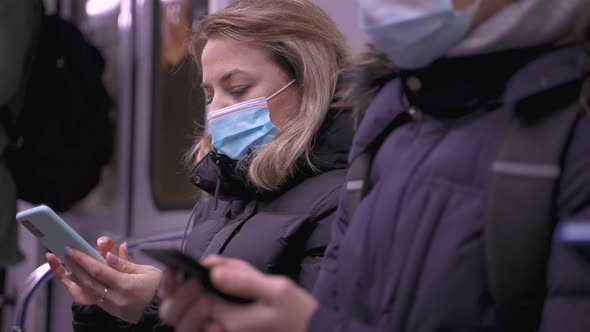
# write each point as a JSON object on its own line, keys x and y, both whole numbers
{"x": 63, "y": 135}
{"x": 521, "y": 202}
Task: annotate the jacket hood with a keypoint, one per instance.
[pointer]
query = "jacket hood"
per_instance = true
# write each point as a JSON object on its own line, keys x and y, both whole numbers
{"x": 363, "y": 79}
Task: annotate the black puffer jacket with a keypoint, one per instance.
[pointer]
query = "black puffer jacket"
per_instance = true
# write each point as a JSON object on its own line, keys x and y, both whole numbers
{"x": 283, "y": 232}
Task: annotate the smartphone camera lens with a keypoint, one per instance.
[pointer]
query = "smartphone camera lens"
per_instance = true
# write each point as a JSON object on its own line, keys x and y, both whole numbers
{"x": 33, "y": 229}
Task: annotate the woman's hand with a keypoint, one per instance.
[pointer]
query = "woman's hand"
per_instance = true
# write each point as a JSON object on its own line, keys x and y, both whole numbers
{"x": 129, "y": 287}
{"x": 280, "y": 305}
{"x": 105, "y": 245}
{"x": 185, "y": 304}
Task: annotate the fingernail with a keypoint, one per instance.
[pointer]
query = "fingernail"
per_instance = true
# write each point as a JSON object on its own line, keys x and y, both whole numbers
{"x": 112, "y": 259}
{"x": 100, "y": 241}
{"x": 69, "y": 251}
{"x": 223, "y": 277}
{"x": 125, "y": 246}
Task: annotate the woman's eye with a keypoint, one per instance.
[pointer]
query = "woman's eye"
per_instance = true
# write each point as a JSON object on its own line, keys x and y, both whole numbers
{"x": 240, "y": 91}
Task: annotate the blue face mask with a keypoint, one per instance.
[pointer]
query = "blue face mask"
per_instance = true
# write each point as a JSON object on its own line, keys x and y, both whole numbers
{"x": 240, "y": 127}
{"x": 414, "y": 33}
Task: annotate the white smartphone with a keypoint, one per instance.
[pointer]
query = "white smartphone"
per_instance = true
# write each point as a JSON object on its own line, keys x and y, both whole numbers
{"x": 54, "y": 233}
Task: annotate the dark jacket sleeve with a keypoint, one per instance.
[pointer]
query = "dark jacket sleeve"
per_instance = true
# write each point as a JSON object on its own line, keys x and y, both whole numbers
{"x": 151, "y": 321}
{"x": 313, "y": 252}
{"x": 91, "y": 318}
{"x": 567, "y": 305}
{"x": 317, "y": 237}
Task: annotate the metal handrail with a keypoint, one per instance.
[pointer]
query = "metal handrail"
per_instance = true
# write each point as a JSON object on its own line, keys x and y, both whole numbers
{"x": 43, "y": 274}
{"x": 38, "y": 278}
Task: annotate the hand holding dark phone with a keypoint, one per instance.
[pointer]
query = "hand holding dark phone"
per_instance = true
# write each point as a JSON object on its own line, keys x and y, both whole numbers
{"x": 177, "y": 261}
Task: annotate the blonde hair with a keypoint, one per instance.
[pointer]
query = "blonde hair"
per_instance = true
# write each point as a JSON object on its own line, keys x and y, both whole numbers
{"x": 305, "y": 42}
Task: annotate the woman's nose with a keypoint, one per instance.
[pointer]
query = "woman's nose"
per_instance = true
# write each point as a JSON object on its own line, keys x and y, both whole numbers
{"x": 218, "y": 103}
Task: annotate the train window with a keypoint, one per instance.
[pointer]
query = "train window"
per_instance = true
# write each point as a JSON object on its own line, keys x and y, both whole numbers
{"x": 178, "y": 104}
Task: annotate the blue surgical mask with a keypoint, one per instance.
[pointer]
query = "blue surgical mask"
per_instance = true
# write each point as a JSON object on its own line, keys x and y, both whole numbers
{"x": 240, "y": 127}
{"x": 414, "y": 33}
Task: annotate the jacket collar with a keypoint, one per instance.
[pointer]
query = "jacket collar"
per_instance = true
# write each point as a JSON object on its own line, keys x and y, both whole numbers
{"x": 455, "y": 87}
{"x": 219, "y": 175}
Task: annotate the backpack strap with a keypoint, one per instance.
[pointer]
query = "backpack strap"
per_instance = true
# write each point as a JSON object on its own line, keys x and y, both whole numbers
{"x": 359, "y": 170}
{"x": 522, "y": 210}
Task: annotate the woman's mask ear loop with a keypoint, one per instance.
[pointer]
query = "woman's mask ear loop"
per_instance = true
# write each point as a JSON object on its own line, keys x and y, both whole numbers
{"x": 281, "y": 90}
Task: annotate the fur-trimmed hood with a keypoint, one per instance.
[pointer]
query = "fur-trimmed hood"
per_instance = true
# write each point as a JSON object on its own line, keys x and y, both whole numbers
{"x": 363, "y": 79}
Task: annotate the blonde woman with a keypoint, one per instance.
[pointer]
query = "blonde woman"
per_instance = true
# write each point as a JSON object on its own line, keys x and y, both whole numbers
{"x": 417, "y": 255}
{"x": 273, "y": 160}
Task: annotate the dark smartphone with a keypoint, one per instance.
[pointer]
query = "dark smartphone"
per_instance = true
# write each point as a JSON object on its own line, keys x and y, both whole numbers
{"x": 177, "y": 261}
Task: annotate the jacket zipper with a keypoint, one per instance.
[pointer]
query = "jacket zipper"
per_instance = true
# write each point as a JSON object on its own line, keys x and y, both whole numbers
{"x": 218, "y": 183}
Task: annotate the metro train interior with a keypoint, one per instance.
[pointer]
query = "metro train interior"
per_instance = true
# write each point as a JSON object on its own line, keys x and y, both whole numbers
{"x": 144, "y": 195}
